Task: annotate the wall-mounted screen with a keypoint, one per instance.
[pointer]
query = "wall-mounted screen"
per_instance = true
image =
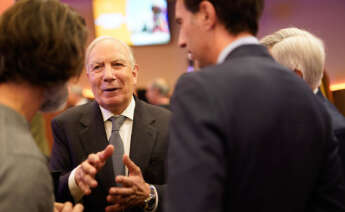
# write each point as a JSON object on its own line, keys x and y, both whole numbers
{"x": 137, "y": 22}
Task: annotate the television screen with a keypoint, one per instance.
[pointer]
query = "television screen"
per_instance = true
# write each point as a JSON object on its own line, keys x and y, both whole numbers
{"x": 136, "y": 22}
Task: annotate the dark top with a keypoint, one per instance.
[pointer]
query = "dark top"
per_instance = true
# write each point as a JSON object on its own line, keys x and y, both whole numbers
{"x": 249, "y": 135}
{"x": 338, "y": 124}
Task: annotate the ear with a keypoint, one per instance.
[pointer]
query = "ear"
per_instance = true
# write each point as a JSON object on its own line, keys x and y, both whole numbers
{"x": 207, "y": 14}
{"x": 135, "y": 73}
{"x": 298, "y": 72}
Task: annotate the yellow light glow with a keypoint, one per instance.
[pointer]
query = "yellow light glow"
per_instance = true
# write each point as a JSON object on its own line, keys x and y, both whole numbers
{"x": 104, "y": 11}
{"x": 88, "y": 93}
{"x": 337, "y": 87}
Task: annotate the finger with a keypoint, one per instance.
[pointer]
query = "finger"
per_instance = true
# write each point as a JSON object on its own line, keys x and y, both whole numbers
{"x": 114, "y": 208}
{"x": 125, "y": 181}
{"x": 95, "y": 161}
{"x": 67, "y": 207}
{"x": 86, "y": 179}
{"x": 87, "y": 168}
{"x": 90, "y": 181}
{"x": 78, "y": 208}
{"x": 85, "y": 188}
{"x": 106, "y": 153}
{"x": 121, "y": 191}
{"x": 58, "y": 206}
{"x": 132, "y": 168}
{"x": 122, "y": 200}
{"x": 113, "y": 199}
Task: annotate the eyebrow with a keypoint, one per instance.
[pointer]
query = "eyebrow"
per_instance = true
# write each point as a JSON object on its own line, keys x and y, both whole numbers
{"x": 92, "y": 64}
{"x": 119, "y": 60}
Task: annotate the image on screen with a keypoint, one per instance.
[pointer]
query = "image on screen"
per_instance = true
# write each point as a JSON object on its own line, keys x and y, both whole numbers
{"x": 137, "y": 22}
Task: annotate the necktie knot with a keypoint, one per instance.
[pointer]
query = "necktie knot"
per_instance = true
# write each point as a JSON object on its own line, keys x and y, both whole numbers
{"x": 117, "y": 122}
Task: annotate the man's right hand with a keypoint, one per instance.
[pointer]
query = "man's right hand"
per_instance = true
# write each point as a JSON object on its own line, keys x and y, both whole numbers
{"x": 85, "y": 173}
{"x": 67, "y": 207}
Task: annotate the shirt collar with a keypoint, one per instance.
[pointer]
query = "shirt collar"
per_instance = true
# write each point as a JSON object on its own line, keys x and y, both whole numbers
{"x": 128, "y": 112}
{"x": 239, "y": 42}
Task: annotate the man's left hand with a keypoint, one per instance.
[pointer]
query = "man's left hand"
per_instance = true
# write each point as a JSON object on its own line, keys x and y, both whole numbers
{"x": 134, "y": 189}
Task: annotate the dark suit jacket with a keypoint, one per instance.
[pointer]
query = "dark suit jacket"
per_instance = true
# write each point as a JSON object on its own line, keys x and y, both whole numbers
{"x": 338, "y": 123}
{"x": 80, "y": 131}
{"x": 248, "y": 135}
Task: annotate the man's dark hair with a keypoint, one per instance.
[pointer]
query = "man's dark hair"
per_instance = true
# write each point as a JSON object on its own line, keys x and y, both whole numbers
{"x": 236, "y": 15}
{"x": 42, "y": 42}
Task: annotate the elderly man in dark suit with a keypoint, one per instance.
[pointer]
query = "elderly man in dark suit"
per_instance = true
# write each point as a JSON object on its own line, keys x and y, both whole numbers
{"x": 304, "y": 53}
{"x": 117, "y": 120}
{"x": 246, "y": 133}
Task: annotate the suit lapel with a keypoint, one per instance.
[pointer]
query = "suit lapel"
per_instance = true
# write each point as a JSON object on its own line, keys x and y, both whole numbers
{"x": 93, "y": 139}
{"x": 143, "y": 136}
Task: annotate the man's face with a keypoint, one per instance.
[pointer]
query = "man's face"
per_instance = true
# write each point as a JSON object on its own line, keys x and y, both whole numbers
{"x": 191, "y": 35}
{"x": 111, "y": 75}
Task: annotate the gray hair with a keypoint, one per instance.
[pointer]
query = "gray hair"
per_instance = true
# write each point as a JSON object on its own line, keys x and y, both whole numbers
{"x": 298, "y": 49}
{"x": 102, "y": 38}
{"x": 162, "y": 86}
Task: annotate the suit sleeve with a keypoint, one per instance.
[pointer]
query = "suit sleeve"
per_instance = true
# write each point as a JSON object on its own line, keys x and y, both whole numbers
{"x": 60, "y": 164}
{"x": 196, "y": 161}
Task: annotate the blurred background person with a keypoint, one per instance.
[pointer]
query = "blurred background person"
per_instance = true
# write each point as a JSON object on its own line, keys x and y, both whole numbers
{"x": 75, "y": 96}
{"x": 304, "y": 53}
{"x": 158, "y": 93}
{"x": 35, "y": 67}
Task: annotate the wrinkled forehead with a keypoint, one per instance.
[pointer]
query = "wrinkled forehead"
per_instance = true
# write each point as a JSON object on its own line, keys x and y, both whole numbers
{"x": 107, "y": 48}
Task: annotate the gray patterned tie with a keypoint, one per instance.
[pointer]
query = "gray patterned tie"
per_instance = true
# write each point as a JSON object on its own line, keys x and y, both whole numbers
{"x": 115, "y": 139}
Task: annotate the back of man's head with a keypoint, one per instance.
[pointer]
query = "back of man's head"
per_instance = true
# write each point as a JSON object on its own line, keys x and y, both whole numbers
{"x": 236, "y": 15}
{"x": 42, "y": 42}
{"x": 298, "y": 49}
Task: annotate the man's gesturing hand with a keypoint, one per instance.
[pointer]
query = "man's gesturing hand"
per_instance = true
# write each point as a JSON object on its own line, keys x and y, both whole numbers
{"x": 134, "y": 191}
{"x": 85, "y": 173}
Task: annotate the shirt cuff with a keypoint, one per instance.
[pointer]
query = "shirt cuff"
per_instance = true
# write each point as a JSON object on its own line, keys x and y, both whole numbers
{"x": 76, "y": 192}
{"x": 156, "y": 200}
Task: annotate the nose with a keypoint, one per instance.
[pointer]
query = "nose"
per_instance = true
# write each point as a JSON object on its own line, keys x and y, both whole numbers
{"x": 108, "y": 74}
{"x": 181, "y": 41}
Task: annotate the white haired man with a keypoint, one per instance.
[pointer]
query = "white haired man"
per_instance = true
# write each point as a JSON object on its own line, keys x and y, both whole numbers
{"x": 140, "y": 139}
{"x": 304, "y": 53}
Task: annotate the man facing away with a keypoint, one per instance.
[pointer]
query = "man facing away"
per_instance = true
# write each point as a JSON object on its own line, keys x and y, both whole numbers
{"x": 246, "y": 134}
{"x": 304, "y": 53}
{"x": 133, "y": 177}
{"x": 42, "y": 46}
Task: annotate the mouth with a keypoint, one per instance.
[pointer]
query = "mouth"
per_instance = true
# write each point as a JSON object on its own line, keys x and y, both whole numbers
{"x": 110, "y": 89}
